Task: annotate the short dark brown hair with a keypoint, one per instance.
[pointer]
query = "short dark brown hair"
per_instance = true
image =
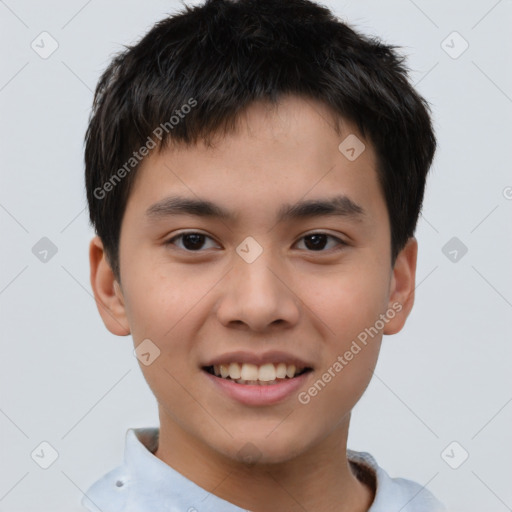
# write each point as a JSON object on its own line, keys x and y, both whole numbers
{"x": 194, "y": 73}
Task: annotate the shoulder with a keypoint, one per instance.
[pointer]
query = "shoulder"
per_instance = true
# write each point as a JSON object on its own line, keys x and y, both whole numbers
{"x": 400, "y": 493}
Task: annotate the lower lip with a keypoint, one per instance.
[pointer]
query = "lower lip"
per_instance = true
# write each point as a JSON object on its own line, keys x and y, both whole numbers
{"x": 250, "y": 394}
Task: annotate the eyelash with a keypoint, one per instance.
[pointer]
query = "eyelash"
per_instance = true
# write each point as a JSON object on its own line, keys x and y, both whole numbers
{"x": 341, "y": 243}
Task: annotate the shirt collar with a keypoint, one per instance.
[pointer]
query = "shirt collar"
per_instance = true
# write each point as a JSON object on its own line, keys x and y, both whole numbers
{"x": 144, "y": 482}
{"x": 151, "y": 478}
{"x": 144, "y": 466}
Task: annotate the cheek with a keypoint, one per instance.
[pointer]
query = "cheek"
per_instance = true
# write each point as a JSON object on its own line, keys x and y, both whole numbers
{"x": 349, "y": 352}
{"x": 163, "y": 308}
{"x": 347, "y": 302}
{"x": 339, "y": 387}
{"x": 157, "y": 304}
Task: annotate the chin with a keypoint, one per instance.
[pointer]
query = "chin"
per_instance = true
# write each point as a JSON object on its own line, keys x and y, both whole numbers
{"x": 259, "y": 450}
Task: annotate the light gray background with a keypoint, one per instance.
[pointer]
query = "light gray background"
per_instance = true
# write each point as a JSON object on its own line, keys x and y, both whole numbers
{"x": 446, "y": 377}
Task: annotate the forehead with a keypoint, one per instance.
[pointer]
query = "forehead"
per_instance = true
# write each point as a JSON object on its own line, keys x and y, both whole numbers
{"x": 276, "y": 158}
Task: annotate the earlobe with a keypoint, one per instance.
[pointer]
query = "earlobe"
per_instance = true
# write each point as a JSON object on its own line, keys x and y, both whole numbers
{"x": 403, "y": 283}
{"x": 107, "y": 292}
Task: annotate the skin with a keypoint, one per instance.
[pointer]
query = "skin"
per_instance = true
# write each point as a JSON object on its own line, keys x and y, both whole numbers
{"x": 310, "y": 302}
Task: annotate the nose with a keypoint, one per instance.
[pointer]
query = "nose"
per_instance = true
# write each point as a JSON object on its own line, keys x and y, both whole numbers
{"x": 258, "y": 296}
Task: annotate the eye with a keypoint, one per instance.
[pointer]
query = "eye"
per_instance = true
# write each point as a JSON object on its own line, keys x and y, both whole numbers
{"x": 317, "y": 241}
{"x": 192, "y": 240}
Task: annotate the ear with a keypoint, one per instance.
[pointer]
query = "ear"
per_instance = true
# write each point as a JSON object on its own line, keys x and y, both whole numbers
{"x": 403, "y": 283}
{"x": 107, "y": 292}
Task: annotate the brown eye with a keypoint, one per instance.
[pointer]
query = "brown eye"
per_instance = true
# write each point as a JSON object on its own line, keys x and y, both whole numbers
{"x": 317, "y": 242}
{"x": 191, "y": 241}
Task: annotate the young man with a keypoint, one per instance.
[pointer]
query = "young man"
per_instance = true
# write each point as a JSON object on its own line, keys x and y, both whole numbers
{"x": 255, "y": 170}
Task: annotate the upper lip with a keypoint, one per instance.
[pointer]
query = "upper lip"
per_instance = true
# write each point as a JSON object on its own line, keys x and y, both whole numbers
{"x": 273, "y": 356}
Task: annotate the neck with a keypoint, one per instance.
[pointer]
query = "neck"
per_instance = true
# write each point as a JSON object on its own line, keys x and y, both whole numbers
{"x": 319, "y": 478}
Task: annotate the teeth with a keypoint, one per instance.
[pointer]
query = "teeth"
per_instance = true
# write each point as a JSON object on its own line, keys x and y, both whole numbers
{"x": 234, "y": 371}
{"x": 267, "y": 372}
{"x": 247, "y": 373}
{"x": 256, "y": 382}
{"x": 290, "y": 371}
{"x": 281, "y": 371}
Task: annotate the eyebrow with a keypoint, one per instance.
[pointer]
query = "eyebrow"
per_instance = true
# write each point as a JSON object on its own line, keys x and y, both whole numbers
{"x": 341, "y": 206}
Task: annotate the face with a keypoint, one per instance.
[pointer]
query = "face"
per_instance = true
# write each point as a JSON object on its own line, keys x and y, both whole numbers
{"x": 272, "y": 283}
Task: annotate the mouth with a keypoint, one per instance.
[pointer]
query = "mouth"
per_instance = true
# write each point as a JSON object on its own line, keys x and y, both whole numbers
{"x": 254, "y": 385}
{"x": 250, "y": 374}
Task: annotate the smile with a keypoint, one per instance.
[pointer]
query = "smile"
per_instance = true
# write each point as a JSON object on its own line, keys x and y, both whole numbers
{"x": 265, "y": 374}
{"x": 253, "y": 391}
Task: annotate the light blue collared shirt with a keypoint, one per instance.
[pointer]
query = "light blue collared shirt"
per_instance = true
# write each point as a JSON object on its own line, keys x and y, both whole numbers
{"x": 144, "y": 483}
